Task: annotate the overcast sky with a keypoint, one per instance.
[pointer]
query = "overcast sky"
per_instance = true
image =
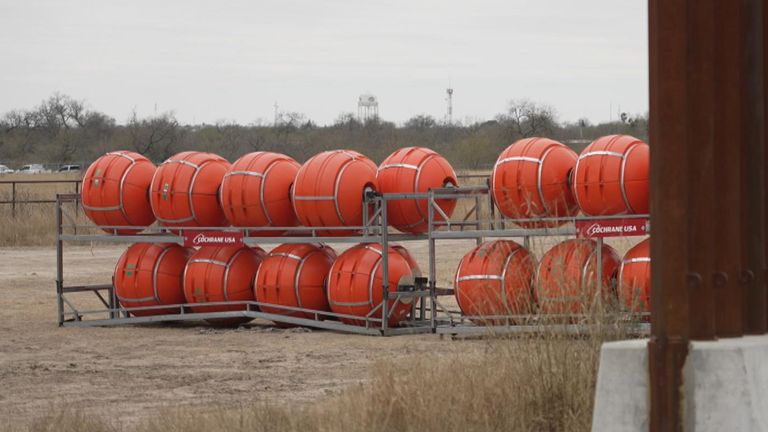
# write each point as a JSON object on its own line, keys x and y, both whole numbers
{"x": 215, "y": 60}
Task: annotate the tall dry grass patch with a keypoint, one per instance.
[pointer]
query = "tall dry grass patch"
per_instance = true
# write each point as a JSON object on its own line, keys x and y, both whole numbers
{"x": 537, "y": 382}
{"x": 32, "y": 224}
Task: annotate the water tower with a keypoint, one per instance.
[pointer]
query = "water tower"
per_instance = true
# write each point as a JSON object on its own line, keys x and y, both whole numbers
{"x": 367, "y": 107}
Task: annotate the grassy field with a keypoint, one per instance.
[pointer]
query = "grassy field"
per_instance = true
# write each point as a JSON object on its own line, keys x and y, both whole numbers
{"x": 540, "y": 382}
{"x": 31, "y": 224}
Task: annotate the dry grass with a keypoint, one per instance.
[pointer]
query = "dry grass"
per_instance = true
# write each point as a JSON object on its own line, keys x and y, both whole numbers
{"x": 542, "y": 382}
{"x": 31, "y": 224}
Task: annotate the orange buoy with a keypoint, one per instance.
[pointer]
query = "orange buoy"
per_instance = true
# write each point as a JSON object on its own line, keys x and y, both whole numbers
{"x": 611, "y": 176}
{"x": 355, "y": 283}
{"x": 495, "y": 279}
{"x": 635, "y": 278}
{"x": 222, "y": 274}
{"x": 409, "y": 258}
{"x": 151, "y": 274}
{"x": 566, "y": 276}
{"x": 531, "y": 180}
{"x": 294, "y": 275}
{"x": 415, "y": 170}
{"x": 329, "y": 188}
{"x": 256, "y": 192}
{"x": 116, "y": 191}
{"x": 184, "y": 191}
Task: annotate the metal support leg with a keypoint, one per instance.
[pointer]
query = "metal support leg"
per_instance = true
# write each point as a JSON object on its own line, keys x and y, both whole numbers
{"x": 432, "y": 261}
{"x": 599, "y": 276}
{"x": 384, "y": 270}
{"x": 59, "y": 263}
{"x": 13, "y": 199}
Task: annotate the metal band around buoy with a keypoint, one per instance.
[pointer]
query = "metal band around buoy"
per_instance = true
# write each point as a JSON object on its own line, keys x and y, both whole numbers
{"x": 371, "y": 279}
{"x": 517, "y": 158}
{"x": 191, "y": 187}
{"x": 539, "y": 171}
{"x": 479, "y": 277}
{"x": 336, "y": 186}
{"x": 154, "y": 283}
{"x": 263, "y": 177}
{"x": 621, "y": 173}
{"x": 540, "y": 292}
{"x": 418, "y": 169}
{"x": 621, "y": 178}
{"x": 227, "y": 265}
{"x": 630, "y": 261}
{"x": 538, "y": 180}
{"x": 502, "y": 278}
{"x": 297, "y": 274}
{"x": 262, "y": 201}
{"x": 636, "y": 260}
{"x": 398, "y": 165}
{"x": 352, "y": 158}
{"x": 120, "y": 205}
{"x": 286, "y": 255}
{"x": 156, "y": 270}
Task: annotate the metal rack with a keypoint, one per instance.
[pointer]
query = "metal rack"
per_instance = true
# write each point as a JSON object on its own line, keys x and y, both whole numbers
{"x": 428, "y": 315}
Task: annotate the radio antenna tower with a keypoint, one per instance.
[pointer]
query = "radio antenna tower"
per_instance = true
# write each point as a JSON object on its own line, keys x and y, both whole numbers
{"x": 277, "y": 113}
{"x": 449, "y": 91}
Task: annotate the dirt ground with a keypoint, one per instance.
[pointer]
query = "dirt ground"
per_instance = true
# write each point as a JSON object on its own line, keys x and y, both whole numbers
{"x": 129, "y": 372}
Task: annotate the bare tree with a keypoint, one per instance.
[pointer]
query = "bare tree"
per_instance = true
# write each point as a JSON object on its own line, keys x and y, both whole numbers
{"x": 154, "y": 136}
{"x": 421, "y": 121}
{"x": 525, "y": 118}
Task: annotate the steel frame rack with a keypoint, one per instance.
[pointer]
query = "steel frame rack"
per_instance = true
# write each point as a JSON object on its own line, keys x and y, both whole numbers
{"x": 427, "y": 313}
{"x": 455, "y": 323}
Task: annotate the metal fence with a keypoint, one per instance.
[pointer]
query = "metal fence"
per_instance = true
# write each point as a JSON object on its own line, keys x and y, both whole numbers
{"x": 17, "y": 201}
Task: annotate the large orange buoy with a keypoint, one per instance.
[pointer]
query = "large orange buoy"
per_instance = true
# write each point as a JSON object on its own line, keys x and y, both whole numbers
{"x": 185, "y": 188}
{"x": 494, "y": 279}
{"x": 355, "y": 283}
{"x": 635, "y": 278}
{"x": 567, "y": 275}
{"x": 531, "y": 180}
{"x": 294, "y": 275}
{"x": 329, "y": 189}
{"x": 611, "y": 176}
{"x": 256, "y": 192}
{"x": 116, "y": 191}
{"x": 414, "y": 170}
{"x": 151, "y": 274}
{"x": 222, "y": 274}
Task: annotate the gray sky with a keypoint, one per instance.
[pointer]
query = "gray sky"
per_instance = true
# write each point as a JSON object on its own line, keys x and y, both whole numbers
{"x": 210, "y": 61}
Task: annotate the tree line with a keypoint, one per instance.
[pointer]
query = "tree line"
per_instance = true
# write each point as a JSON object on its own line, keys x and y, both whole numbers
{"x": 62, "y": 129}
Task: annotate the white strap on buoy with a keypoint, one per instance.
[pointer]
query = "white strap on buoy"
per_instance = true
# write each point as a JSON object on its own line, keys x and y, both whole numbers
{"x": 624, "y": 157}
{"x": 227, "y": 265}
{"x": 120, "y": 206}
{"x": 263, "y": 177}
{"x": 197, "y": 169}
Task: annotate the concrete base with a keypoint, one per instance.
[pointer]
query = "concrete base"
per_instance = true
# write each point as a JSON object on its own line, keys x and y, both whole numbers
{"x": 725, "y": 386}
